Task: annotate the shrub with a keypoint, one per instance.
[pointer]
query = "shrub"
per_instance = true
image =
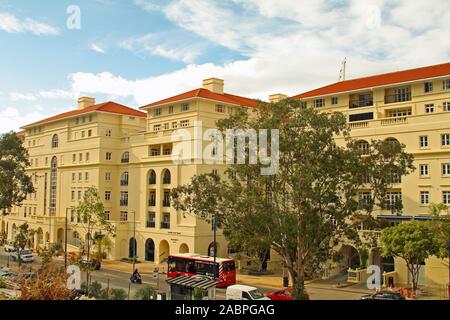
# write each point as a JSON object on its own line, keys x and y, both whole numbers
{"x": 2, "y": 283}
{"x": 145, "y": 293}
{"x": 118, "y": 294}
{"x": 95, "y": 289}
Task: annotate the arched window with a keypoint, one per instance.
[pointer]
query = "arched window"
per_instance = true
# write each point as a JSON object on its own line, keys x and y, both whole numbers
{"x": 53, "y": 185}
{"x": 392, "y": 140}
{"x": 124, "y": 179}
{"x": 125, "y": 157}
{"x": 55, "y": 141}
{"x": 363, "y": 147}
{"x": 167, "y": 177}
{"x": 152, "y": 177}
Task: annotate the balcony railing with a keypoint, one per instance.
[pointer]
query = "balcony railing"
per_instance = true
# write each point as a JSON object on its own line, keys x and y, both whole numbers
{"x": 394, "y": 121}
{"x": 151, "y": 203}
{"x": 151, "y": 224}
{"x": 394, "y": 98}
{"x": 358, "y": 103}
{"x": 166, "y": 204}
{"x": 123, "y": 203}
{"x": 125, "y": 160}
{"x": 165, "y": 225}
{"x": 124, "y": 183}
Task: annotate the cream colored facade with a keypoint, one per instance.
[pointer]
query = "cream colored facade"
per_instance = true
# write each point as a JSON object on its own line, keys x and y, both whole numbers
{"x": 403, "y": 111}
{"x": 421, "y": 121}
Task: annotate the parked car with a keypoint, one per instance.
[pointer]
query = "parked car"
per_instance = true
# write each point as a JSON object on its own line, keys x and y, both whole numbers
{"x": 240, "y": 292}
{"x": 9, "y": 248}
{"x": 96, "y": 264}
{"x": 26, "y": 256}
{"x": 285, "y": 294}
{"x": 384, "y": 295}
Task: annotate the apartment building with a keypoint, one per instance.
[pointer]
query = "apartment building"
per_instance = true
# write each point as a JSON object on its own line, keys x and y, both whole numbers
{"x": 127, "y": 155}
{"x": 413, "y": 108}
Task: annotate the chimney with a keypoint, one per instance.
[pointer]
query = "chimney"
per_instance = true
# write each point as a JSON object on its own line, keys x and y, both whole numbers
{"x": 277, "y": 97}
{"x": 85, "y": 102}
{"x": 214, "y": 85}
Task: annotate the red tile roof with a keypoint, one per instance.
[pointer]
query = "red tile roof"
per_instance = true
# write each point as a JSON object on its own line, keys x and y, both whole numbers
{"x": 206, "y": 94}
{"x": 380, "y": 80}
{"x": 110, "y": 107}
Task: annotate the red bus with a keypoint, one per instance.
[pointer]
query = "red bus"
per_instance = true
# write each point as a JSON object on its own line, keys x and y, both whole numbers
{"x": 191, "y": 264}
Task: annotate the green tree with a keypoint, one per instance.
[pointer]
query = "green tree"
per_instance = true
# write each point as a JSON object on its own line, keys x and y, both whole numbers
{"x": 92, "y": 213}
{"x": 118, "y": 294}
{"x": 15, "y": 184}
{"x": 22, "y": 239}
{"x": 145, "y": 292}
{"x": 310, "y": 204}
{"x": 413, "y": 242}
{"x": 103, "y": 244}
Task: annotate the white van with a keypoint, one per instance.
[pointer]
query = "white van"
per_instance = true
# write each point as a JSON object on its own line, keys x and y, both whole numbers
{"x": 26, "y": 256}
{"x": 241, "y": 292}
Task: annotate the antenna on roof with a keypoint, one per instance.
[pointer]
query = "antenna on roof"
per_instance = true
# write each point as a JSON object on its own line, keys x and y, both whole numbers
{"x": 343, "y": 69}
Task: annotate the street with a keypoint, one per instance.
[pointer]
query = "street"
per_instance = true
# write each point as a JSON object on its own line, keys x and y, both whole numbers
{"x": 120, "y": 279}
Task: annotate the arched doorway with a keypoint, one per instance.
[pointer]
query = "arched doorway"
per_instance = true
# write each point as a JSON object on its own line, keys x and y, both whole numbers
{"x": 132, "y": 248}
{"x": 150, "y": 250}
{"x": 211, "y": 249}
{"x": 60, "y": 236}
{"x": 184, "y": 248}
{"x": 350, "y": 257}
{"x": 164, "y": 251}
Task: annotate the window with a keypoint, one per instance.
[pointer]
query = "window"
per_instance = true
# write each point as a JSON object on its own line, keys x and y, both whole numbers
{"x": 446, "y": 197}
{"x": 80, "y": 176}
{"x": 124, "y": 179}
{"x": 446, "y": 84}
{"x": 123, "y": 216}
{"x": 86, "y": 176}
{"x": 152, "y": 177}
{"x": 364, "y": 200}
{"x": 157, "y": 127}
{"x": 107, "y": 195}
{"x": 155, "y": 152}
{"x": 334, "y": 101}
{"x": 82, "y": 134}
{"x": 399, "y": 113}
{"x": 423, "y": 141}
{"x": 392, "y": 200}
{"x": 184, "y": 123}
{"x": 79, "y": 195}
{"x": 215, "y": 172}
{"x": 125, "y": 157}
{"x": 445, "y": 139}
{"x": 108, "y": 133}
{"x": 124, "y": 198}
{"x": 87, "y": 156}
{"x": 89, "y": 133}
{"x": 428, "y": 86}
{"x": 166, "y": 199}
{"x": 165, "y": 223}
{"x": 73, "y": 196}
{"x": 108, "y": 176}
{"x": 318, "y": 103}
{"x": 90, "y": 118}
{"x": 167, "y": 177}
{"x": 107, "y": 215}
{"x": 429, "y": 108}
{"x": 424, "y": 197}
{"x": 74, "y": 176}
{"x": 151, "y": 219}
{"x": 361, "y": 116}
{"x": 80, "y": 157}
{"x": 363, "y": 147}
{"x": 55, "y": 141}
{"x": 109, "y": 156}
{"x": 423, "y": 168}
{"x": 445, "y": 169}
{"x": 185, "y": 107}
{"x": 170, "y": 109}
{"x": 174, "y": 125}
{"x": 74, "y": 157}
{"x": 446, "y": 106}
{"x": 220, "y": 108}
{"x": 157, "y": 112}
{"x": 167, "y": 151}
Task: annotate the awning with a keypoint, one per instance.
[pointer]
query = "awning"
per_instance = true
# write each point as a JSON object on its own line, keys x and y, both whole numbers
{"x": 193, "y": 282}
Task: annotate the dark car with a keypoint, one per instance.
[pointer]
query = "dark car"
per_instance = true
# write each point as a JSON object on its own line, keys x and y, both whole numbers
{"x": 384, "y": 295}
{"x": 96, "y": 264}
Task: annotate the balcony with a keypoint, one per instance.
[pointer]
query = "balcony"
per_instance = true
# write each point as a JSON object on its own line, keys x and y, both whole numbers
{"x": 394, "y": 121}
{"x": 359, "y": 103}
{"x": 152, "y": 224}
{"x": 124, "y": 203}
{"x": 124, "y": 183}
{"x": 394, "y": 98}
{"x": 165, "y": 225}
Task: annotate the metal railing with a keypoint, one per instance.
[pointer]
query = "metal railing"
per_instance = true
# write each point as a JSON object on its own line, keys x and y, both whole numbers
{"x": 151, "y": 203}
{"x": 151, "y": 224}
{"x": 397, "y": 98}
{"x": 358, "y": 103}
{"x": 165, "y": 225}
{"x": 124, "y": 183}
{"x": 123, "y": 203}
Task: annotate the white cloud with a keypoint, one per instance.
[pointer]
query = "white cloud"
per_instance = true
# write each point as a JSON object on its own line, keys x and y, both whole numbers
{"x": 97, "y": 48}
{"x": 45, "y": 94}
{"x": 12, "y": 119}
{"x": 148, "y": 5}
{"x": 175, "y": 49}
{"x": 11, "y": 24}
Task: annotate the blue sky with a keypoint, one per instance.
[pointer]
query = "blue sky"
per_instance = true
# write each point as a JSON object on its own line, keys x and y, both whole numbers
{"x": 138, "y": 51}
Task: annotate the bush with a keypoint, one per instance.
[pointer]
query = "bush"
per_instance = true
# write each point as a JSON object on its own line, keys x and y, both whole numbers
{"x": 145, "y": 293}
{"x": 55, "y": 249}
{"x": 2, "y": 283}
{"x": 95, "y": 289}
{"x": 118, "y": 294}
